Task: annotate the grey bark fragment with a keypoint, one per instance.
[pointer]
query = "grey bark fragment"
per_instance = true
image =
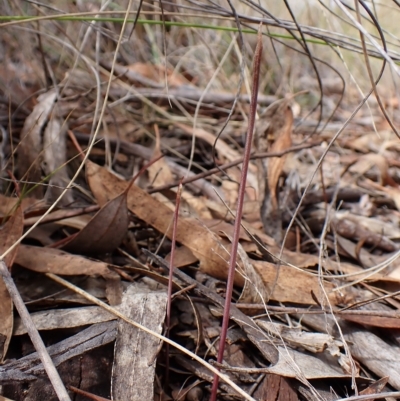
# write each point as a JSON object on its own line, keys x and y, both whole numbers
{"x": 135, "y": 351}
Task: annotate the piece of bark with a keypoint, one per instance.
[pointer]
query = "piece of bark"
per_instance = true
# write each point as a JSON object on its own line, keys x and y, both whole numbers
{"x": 65, "y": 318}
{"x": 135, "y": 351}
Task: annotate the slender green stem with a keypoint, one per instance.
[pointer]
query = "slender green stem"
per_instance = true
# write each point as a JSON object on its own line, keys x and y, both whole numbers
{"x": 27, "y": 18}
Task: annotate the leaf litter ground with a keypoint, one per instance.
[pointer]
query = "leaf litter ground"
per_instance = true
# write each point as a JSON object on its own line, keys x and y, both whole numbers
{"x": 315, "y": 305}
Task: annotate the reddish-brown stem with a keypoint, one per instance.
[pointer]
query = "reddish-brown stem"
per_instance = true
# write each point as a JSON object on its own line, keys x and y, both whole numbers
{"x": 239, "y": 210}
{"x": 171, "y": 274}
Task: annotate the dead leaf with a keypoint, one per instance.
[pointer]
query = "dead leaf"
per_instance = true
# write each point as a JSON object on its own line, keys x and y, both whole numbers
{"x": 287, "y": 284}
{"x": 302, "y": 366}
{"x": 375, "y": 321}
{"x": 276, "y": 388}
{"x": 105, "y": 231}
{"x": 139, "y": 72}
{"x": 10, "y": 232}
{"x": 42, "y": 149}
{"x": 224, "y": 150}
{"x": 375, "y": 388}
{"x": 49, "y": 260}
{"x": 182, "y": 257}
{"x": 312, "y": 342}
{"x": 254, "y": 289}
{"x": 64, "y": 318}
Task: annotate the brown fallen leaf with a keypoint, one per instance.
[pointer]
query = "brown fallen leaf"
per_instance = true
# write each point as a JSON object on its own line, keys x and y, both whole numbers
{"x": 290, "y": 284}
{"x": 105, "y": 231}
{"x": 159, "y": 172}
{"x": 376, "y": 387}
{"x": 182, "y": 257}
{"x": 276, "y": 388}
{"x": 211, "y": 250}
{"x": 50, "y": 260}
{"x": 10, "y": 232}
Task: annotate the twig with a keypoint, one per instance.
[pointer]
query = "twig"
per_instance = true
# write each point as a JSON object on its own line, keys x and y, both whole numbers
{"x": 37, "y": 341}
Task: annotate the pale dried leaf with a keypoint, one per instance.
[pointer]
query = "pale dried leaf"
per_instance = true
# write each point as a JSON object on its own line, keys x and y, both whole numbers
{"x": 273, "y": 134}
{"x": 302, "y": 366}
{"x": 42, "y": 148}
{"x": 313, "y": 342}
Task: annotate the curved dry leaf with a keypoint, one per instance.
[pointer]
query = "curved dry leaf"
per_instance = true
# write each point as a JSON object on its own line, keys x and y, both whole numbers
{"x": 221, "y": 146}
{"x": 312, "y": 342}
{"x": 10, "y": 232}
{"x": 31, "y": 145}
{"x": 105, "y": 231}
{"x": 49, "y": 260}
{"x": 366, "y": 162}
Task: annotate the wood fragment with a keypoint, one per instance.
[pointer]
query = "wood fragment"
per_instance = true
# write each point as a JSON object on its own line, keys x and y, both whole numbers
{"x": 135, "y": 350}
